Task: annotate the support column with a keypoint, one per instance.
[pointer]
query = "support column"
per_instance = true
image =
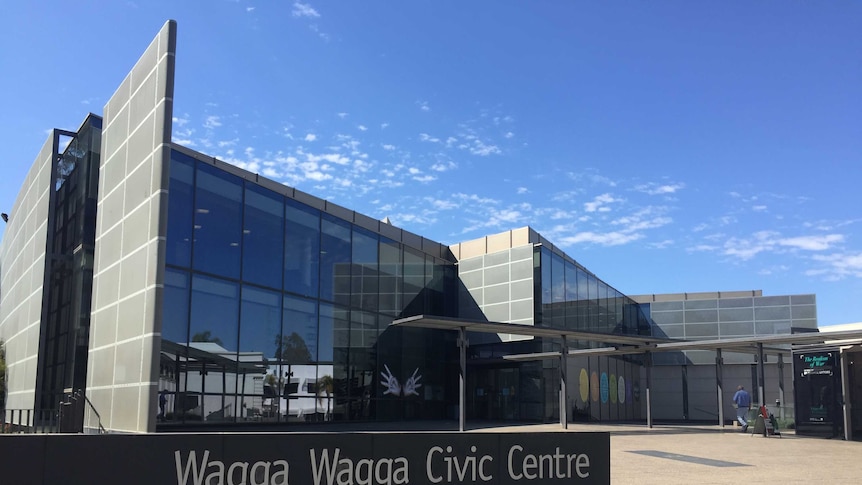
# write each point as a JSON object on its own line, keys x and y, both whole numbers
{"x": 761, "y": 389}
{"x": 844, "y": 359}
{"x": 648, "y": 362}
{"x": 719, "y": 385}
{"x": 462, "y": 377}
{"x": 783, "y": 405}
{"x": 564, "y": 397}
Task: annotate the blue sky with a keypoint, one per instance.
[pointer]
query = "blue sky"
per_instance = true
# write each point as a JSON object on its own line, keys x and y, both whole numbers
{"x": 668, "y": 146}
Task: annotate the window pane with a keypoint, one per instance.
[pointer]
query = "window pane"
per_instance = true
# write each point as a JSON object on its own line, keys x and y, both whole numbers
{"x": 414, "y": 279}
{"x": 180, "y": 216}
{"x": 299, "y": 343}
{"x": 175, "y": 319}
{"x": 218, "y": 219}
{"x": 215, "y": 308}
{"x": 334, "y": 260}
{"x": 263, "y": 237}
{"x": 260, "y": 322}
{"x": 390, "y": 277}
{"x": 325, "y": 339}
{"x": 301, "y": 248}
{"x": 364, "y": 282}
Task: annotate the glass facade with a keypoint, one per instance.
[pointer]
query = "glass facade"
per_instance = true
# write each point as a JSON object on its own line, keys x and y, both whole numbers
{"x": 275, "y": 311}
{"x": 66, "y": 302}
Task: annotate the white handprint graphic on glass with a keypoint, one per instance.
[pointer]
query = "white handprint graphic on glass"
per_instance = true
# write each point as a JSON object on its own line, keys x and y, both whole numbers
{"x": 390, "y": 382}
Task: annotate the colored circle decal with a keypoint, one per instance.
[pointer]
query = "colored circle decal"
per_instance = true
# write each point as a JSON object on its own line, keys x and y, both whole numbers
{"x": 584, "y": 385}
{"x": 604, "y": 387}
{"x": 594, "y": 386}
{"x": 621, "y": 389}
{"x": 613, "y": 388}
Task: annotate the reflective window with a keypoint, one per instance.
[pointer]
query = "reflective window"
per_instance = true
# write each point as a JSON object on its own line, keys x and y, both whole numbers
{"x": 301, "y": 248}
{"x": 263, "y": 236}
{"x": 326, "y": 339}
{"x": 364, "y": 279}
{"x": 180, "y": 206}
{"x": 390, "y": 277}
{"x": 260, "y": 323}
{"x": 175, "y": 312}
{"x": 334, "y": 259}
{"x": 214, "y": 312}
{"x": 299, "y": 343}
{"x": 218, "y": 222}
{"x": 414, "y": 280}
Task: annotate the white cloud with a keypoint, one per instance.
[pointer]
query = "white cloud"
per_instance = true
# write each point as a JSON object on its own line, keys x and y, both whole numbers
{"x": 249, "y": 9}
{"x": 383, "y": 126}
{"x": 509, "y": 134}
{"x": 180, "y": 121}
{"x": 598, "y": 204}
{"x": 428, "y": 138}
{"x": 443, "y": 166}
{"x": 389, "y": 147}
{"x": 483, "y": 150}
{"x": 759, "y": 208}
{"x": 615, "y": 238}
{"x": 812, "y": 243}
{"x": 310, "y": 137}
{"x": 342, "y": 115}
{"x": 771, "y": 241}
{"x": 839, "y": 265}
{"x": 423, "y": 105}
{"x": 522, "y": 190}
{"x": 212, "y": 122}
{"x": 653, "y": 188}
{"x": 424, "y": 178}
{"x": 304, "y": 10}
{"x": 362, "y": 128}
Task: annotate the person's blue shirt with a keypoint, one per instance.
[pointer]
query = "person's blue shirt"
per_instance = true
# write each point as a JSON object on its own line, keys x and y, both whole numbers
{"x": 742, "y": 398}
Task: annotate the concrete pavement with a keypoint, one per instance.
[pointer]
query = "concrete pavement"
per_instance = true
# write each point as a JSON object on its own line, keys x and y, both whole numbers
{"x": 712, "y": 455}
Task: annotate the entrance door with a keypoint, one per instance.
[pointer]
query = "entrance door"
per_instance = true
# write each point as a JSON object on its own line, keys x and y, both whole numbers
{"x": 494, "y": 394}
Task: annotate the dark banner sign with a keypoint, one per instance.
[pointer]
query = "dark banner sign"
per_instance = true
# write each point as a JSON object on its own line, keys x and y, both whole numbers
{"x": 308, "y": 459}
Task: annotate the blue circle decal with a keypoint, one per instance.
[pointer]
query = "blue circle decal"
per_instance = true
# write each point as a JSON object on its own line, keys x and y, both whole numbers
{"x": 604, "y": 387}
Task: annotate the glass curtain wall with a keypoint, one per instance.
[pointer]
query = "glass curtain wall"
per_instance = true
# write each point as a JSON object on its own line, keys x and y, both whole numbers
{"x": 573, "y": 298}
{"x": 277, "y": 312}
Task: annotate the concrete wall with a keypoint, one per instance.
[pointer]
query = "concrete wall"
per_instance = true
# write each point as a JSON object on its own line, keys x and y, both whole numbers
{"x": 22, "y": 274}
{"x": 500, "y": 284}
{"x": 122, "y": 376}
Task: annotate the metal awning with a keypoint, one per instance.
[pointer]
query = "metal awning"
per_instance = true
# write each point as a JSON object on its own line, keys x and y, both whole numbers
{"x": 616, "y": 344}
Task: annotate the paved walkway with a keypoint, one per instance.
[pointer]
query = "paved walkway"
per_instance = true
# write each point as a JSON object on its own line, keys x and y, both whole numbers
{"x": 707, "y": 455}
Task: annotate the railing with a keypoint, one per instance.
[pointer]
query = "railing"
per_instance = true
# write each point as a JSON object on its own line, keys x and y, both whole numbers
{"x": 28, "y": 421}
{"x": 92, "y": 409}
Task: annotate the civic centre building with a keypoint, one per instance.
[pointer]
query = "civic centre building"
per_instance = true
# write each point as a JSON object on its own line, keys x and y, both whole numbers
{"x": 174, "y": 290}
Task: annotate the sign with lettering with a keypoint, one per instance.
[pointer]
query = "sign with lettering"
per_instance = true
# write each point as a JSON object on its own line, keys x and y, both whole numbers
{"x": 310, "y": 458}
{"x": 816, "y": 364}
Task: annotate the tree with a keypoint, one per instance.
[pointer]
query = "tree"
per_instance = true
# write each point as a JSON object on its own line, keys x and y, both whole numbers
{"x": 206, "y": 336}
{"x": 291, "y": 349}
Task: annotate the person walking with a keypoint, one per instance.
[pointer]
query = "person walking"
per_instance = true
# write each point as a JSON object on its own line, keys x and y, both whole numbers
{"x": 742, "y": 401}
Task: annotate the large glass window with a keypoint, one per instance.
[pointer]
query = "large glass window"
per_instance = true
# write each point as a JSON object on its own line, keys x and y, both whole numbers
{"x": 364, "y": 278}
{"x": 180, "y": 207}
{"x": 414, "y": 280}
{"x": 301, "y": 248}
{"x": 334, "y": 260}
{"x": 175, "y": 311}
{"x": 218, "y": 222}
{"x": 263, "y": 237}
{"x": 260, "y": 323}
{"x": 390, "y": 277}
{"x": 214, "y": 312}
{"x": 299, "y": 343}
